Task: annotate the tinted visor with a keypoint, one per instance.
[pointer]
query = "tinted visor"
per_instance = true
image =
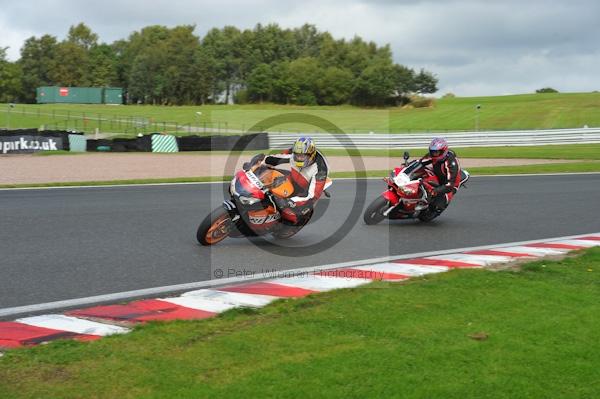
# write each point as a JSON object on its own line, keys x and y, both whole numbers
{"x": 301, "y": 158}
{"x": 436, "y": 153}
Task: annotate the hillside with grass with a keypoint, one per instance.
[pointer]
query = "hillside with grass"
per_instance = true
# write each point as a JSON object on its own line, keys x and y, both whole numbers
{"x": 529, "y": 111}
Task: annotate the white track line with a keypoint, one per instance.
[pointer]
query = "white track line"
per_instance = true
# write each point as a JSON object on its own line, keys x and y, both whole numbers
{"x": 581, "y": 243}
{"x": 411, "y": 270}
{"x": 531, "y": 251}
{"x": 391, "y": 268}
{"x": 72, "y": 324}
{"x": 226, "y": 181}
{"x": 157, "y": 291}
{"x": 199, "y": 303}
{"x": 232, "y": 298}
{"x": 320, "y": 283}
{"x": 481, "y": 260}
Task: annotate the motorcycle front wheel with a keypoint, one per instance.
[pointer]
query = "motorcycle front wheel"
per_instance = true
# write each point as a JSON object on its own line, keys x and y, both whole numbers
{"x": 214, "y": 228}
{"x": 374, "y": 212}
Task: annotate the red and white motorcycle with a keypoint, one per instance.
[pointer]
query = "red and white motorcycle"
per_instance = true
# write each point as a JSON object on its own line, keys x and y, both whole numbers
{"x": 406, "y": 196}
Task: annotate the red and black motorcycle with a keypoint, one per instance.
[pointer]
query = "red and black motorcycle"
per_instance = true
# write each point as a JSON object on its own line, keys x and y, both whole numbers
{"x": 406, "y": 196}
{"x": 252, "y": 207}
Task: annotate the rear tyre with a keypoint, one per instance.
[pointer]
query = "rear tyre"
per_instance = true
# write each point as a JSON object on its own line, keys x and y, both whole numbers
{"x": 214, "y": 228}
{"x": 374, "y": 213}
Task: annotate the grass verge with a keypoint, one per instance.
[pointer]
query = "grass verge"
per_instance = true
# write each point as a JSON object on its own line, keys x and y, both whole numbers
{"x": 574, "y": 167}
{"x": 527, "y": 333}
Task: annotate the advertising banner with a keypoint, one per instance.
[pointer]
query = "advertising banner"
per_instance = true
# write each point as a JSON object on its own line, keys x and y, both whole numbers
{"x": 29, "y": 144}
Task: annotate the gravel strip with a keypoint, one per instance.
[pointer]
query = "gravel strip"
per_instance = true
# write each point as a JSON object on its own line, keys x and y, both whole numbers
{"x": 29, "y": 169}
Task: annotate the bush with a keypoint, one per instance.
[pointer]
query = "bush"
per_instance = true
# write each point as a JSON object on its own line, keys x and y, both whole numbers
{"x": 241, "y": 97}
{"x": 547, "y": 90}
{"x": 422, "y": 102}
{"x": 449, "y": 95}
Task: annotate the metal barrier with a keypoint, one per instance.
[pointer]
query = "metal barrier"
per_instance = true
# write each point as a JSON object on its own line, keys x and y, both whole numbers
{"x": 458, "y": 139}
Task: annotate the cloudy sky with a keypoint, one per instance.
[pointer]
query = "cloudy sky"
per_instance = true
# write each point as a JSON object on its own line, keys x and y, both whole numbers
{"x": 474, "y": 47}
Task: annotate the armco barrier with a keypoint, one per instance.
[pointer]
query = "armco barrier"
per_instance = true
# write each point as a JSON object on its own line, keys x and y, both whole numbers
{"x": 258, "y": 141}
{"x": 459, "y": 139}
{"x": 164, "y": 143}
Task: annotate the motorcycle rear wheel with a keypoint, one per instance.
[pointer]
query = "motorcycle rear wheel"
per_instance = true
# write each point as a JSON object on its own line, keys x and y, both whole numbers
{"x": 214, "y": 228}
{"x": 374, "y": 212}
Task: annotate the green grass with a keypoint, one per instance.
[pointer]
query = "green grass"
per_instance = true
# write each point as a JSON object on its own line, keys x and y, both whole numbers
{"x": 530, "y": 111}
{"x": 538, "y": 330}
{"x": 571, "y": 167}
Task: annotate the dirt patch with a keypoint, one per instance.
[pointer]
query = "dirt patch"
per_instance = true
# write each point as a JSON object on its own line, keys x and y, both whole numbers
{"x": 516, "y": 264}
{"x": 24, "y": 169}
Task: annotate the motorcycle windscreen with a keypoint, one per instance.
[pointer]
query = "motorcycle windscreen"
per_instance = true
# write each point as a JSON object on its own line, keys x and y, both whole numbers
{"x": 244, "y": 187}
{"x": 414, "y": 170}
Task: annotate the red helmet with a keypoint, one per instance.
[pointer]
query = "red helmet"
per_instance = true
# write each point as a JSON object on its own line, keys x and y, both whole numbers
{"x": 438, "y": 149}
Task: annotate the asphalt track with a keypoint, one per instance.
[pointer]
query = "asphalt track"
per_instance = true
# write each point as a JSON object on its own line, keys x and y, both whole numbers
{"x": 69, "y": 243}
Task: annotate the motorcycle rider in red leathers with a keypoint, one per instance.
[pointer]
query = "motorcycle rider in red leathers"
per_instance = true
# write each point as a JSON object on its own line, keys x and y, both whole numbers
{"x": 447, "y": 169}
{"x": 309, "y": 171}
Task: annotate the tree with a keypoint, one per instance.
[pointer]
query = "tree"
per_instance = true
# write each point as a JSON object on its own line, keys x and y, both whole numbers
{"x": 335, "y": 86}
{"x": 82, "y": 36}
{"x": 139, "y": 44}
{"x": 425, "y": 82}
{"x": 302, "y": 76}
{"x": 102, "y": 66}
{"x": 161, "y": 65}
{"x": 164, "y": 65}
{"x": 70, "y": 66}
{"x": 36, "y": 62}
{"x": 404, "y": 80}
{"x": 224, "y": 47}
{"x": 73, "y": 65}
{"x": 260, "y": 83}
{"x": 10, "y": 79}
{"x": 375, "y": 85}
{"x": 204, "y": 72}
{"x": 181, "y": 47}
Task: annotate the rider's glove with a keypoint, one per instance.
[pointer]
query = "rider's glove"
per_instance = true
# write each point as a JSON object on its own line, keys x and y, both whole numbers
{"x": 431, "y": 192}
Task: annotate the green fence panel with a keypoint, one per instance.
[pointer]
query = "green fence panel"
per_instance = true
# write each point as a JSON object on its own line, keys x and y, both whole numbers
{"x": 163, "y": 143}
{"x": 77, "y": 143}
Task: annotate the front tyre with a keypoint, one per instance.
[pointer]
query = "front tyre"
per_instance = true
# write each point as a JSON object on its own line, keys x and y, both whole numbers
{"x": 428, "y": 215}
{"x": 214, "y": 228}
{"x": 374, "y": 213}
